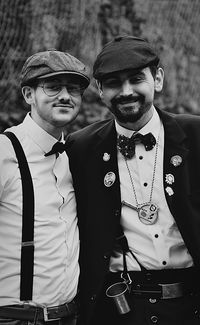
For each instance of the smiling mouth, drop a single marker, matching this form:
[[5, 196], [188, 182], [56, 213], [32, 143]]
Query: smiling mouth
[[130, 101], [63, 106], [128, 104]]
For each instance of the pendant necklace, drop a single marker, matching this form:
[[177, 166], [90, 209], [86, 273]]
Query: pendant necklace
[[148, 211]]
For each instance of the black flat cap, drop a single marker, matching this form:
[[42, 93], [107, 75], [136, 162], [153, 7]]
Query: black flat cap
[[122, 53]]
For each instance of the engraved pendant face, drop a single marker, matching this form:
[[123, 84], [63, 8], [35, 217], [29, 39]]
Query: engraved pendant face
[[148, 213]]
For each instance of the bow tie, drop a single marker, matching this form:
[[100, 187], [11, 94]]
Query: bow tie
[[127, 145], [58, 147]]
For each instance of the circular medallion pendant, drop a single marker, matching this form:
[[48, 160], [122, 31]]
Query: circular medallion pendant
[[148, 213]]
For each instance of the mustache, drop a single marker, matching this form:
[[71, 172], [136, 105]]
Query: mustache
[[63, 101], [125, 99]]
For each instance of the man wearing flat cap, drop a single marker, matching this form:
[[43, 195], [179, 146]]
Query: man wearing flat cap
[[136, 178], [38, 225]]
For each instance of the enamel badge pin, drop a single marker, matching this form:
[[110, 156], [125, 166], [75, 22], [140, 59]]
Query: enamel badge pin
[[176, 160], [169, 179], [106, 156], [109, 179], [169, 190]]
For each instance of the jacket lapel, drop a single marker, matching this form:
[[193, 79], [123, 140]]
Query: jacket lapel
[[104, 153], [106, 146]]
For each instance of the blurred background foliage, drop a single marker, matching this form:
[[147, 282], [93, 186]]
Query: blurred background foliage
[[82, 27]]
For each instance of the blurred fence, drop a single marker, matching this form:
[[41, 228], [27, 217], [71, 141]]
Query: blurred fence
[[82, 27]]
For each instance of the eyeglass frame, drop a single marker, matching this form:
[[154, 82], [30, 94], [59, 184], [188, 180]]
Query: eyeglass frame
[[81, 89]]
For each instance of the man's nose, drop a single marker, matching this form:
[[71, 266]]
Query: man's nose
[[126, 88], [64, 93]]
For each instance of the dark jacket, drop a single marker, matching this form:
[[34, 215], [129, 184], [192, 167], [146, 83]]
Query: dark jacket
[[99, 207]]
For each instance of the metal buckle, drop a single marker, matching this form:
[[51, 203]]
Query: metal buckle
[[172, 290], [46, 315], [44, 309]]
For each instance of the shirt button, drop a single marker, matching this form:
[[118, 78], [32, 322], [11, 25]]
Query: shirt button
[[154, 319], [164, 262], [152, 301], [145, 184], [117, 212], [140, 157]]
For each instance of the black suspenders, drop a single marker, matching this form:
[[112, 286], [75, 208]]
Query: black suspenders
[[27, 248]]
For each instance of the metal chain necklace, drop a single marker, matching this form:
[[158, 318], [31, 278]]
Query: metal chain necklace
[[148, 211]]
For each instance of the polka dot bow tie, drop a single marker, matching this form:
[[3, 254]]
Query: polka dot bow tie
[[58, 147], [127, 145]]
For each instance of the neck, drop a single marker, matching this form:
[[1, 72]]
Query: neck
[[54, 131], [136, 126]]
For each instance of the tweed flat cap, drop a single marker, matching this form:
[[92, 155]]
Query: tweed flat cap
[[122, 53], [50, 63]]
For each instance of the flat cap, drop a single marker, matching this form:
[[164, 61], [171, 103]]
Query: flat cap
[[122, 53], [50, 63]]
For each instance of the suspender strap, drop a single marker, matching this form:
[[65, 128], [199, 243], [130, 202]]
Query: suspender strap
[[27, 249], [122, 240]]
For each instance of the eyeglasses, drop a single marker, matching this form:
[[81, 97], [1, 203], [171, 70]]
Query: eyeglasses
[[53, 88]]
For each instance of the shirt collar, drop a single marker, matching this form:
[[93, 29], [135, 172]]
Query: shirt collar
[[152, 126], [43, 139]]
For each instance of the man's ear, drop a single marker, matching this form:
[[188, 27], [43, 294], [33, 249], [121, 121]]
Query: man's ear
[[159, 78], [99, 86], [28, 94]]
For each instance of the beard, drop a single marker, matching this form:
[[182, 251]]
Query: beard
[[134, 108]]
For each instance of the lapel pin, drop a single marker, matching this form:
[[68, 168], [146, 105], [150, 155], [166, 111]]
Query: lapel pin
[[169, 179], [176, 160], [169, 191], [106, 156], [109, 179]]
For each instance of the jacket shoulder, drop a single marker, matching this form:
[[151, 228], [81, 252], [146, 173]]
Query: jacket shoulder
[[90, 130], [185, 121], [190, 124], [187, 118]]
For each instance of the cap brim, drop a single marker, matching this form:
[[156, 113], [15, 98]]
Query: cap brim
[[51, 74]]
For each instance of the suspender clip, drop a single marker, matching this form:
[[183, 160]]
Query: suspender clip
[[126, 277], [27, 243]]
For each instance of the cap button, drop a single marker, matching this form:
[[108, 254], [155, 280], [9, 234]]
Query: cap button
[[118, 38]]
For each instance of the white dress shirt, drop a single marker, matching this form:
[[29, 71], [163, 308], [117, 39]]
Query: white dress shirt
[[159, 245], [56, 236]]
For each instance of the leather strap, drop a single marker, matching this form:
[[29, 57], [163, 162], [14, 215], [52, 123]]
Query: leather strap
[[27, 248], [30, 312], [123, 242]]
